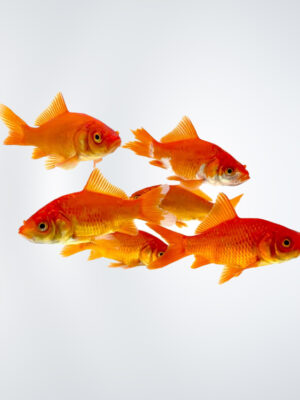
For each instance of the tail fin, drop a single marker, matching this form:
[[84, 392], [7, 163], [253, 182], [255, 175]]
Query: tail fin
[[143, 146], [150, 207], [15, 124], [175, 250]]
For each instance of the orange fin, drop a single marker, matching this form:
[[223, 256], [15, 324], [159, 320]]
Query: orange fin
[[229, 272], [184, 130], [222, 211], [69, 163], [181, 224], [150, 206], [117, 264], [71, 249], [190, 185], [187, 183], [174, 252], [235, 201], [56, 108], [38, 153], [15, 124], [97, 183], [95, 162], [53, 161], [199, 262], [157, 163], [144, 144], [128, 228]]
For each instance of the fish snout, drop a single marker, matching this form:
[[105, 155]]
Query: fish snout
[[114, 140]]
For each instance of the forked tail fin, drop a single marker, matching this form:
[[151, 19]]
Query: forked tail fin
[[143, 146], [175, 251], [150, 207], [16, 126]]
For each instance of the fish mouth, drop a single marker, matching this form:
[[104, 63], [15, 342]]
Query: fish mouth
[[23, 232], [114, 141]]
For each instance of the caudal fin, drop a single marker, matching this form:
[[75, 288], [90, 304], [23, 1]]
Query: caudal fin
[[143, 146], [15, 124], [150, 207], [175, 251]]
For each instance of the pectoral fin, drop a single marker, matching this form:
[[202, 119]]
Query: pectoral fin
[[158, 163], [229, 272], [199, 262], [129, 228]]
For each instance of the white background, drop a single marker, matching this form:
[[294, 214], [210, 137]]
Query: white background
[[72, 329]]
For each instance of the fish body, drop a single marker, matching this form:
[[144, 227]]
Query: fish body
[[65, 137], [100, 208], [186, 204], [190, 157], [237, 243], [129, 251]]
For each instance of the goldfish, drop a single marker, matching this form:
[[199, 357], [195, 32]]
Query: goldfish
[[226, 239], [98, 209], [129, 251], [190, 157], [185, 203], [66, 138]]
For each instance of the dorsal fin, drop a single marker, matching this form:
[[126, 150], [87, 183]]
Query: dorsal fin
[[97, 183], [222, 211], [57, 107], [184, 130]]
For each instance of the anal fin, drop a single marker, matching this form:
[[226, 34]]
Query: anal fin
[[229, 272]]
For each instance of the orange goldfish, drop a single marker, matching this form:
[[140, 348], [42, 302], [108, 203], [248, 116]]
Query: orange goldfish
[[129, 251], [98, 209], [65, 137], [190, 157], [185, 203], [238, 243]]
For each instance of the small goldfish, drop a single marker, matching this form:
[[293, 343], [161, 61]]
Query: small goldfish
[[190, 157], [129, 251], [185, 203], [238, 243], [100, 208], [65, 137]]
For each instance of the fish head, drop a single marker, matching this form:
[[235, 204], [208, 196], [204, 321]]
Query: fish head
[[140, 192], [47, 226], [286, 244], [153, 250], [226, 170], [95, 140], [279, 244]]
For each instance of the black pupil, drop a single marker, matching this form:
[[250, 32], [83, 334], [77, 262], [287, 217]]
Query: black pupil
[[97, 137], [229, 171], [286, 242], [42, 226]]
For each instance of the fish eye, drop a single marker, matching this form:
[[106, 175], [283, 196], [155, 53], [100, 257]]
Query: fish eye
[[136, 196], [161, 253], [97, 138], [286, 242], [43, 226], [229, 171]]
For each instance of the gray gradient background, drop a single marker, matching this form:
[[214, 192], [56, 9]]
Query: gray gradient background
[[72, 329]]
